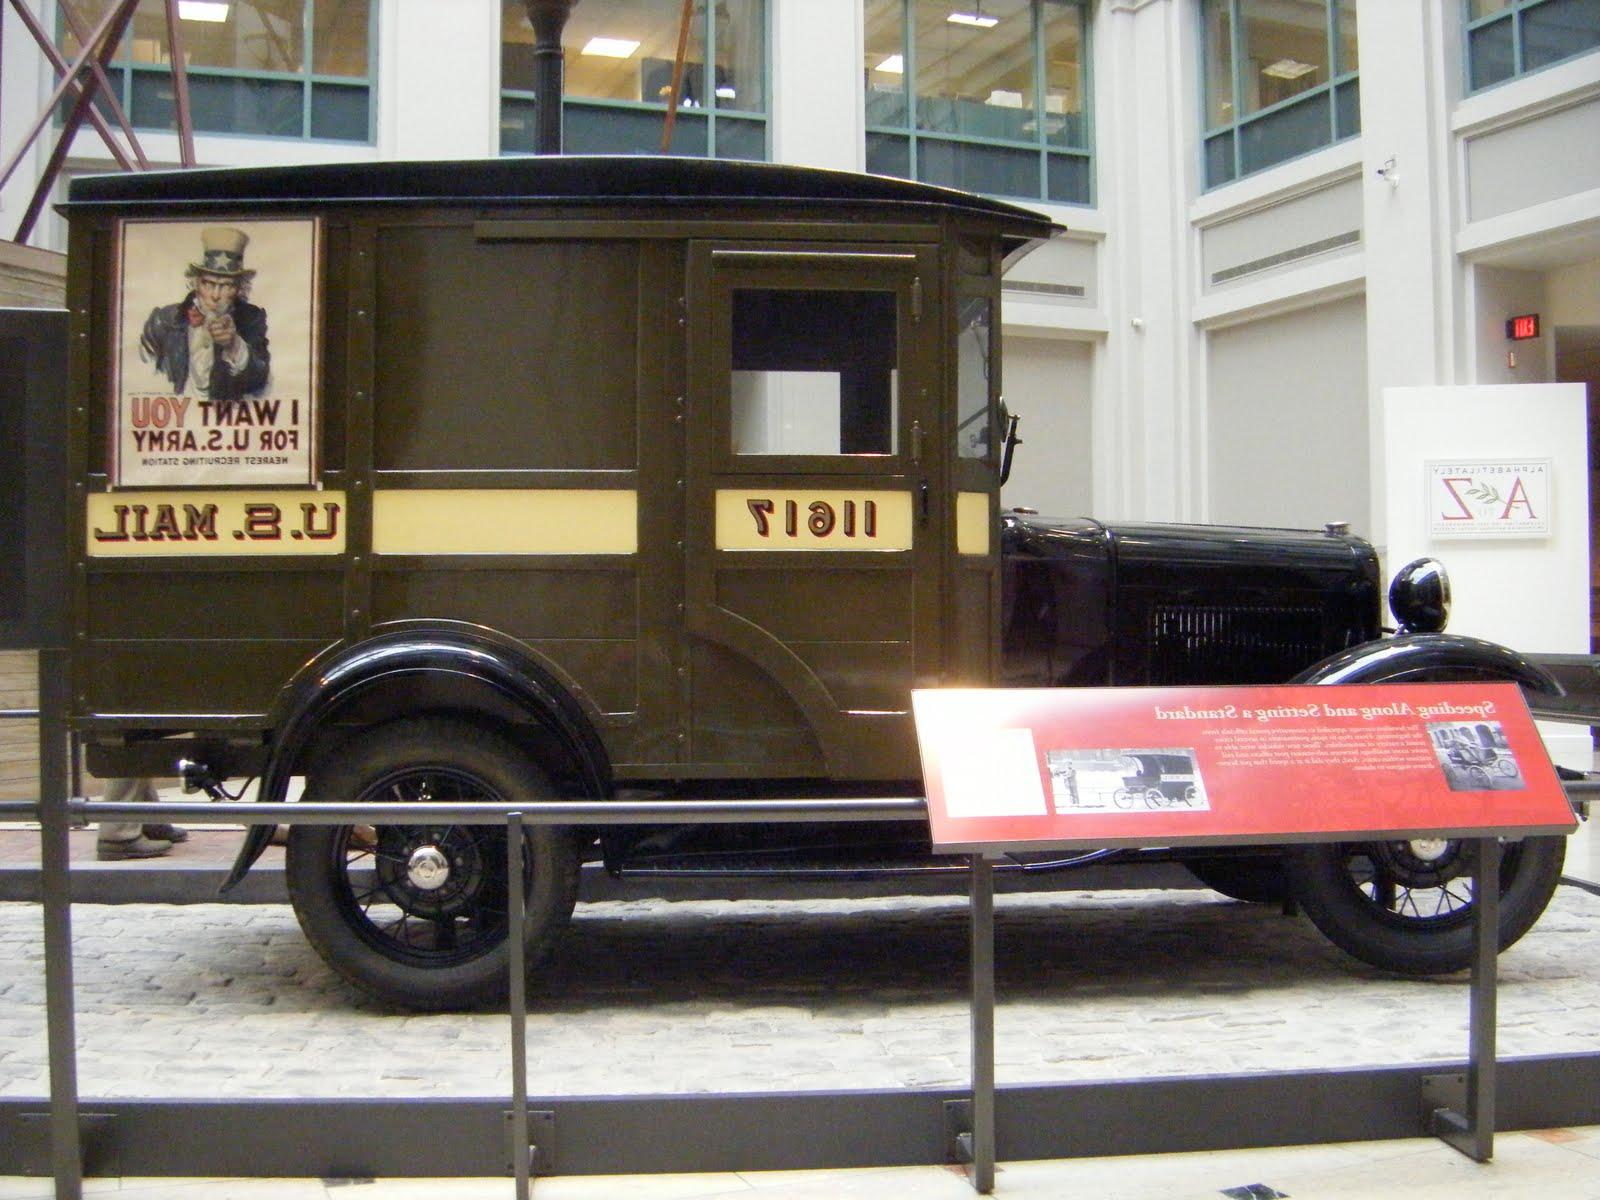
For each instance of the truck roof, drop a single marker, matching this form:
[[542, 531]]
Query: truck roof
[[538, 180]]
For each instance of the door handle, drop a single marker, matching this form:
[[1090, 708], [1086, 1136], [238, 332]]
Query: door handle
[[924, 500]]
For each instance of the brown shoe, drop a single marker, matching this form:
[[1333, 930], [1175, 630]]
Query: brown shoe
[[166, 833], [139, 847]]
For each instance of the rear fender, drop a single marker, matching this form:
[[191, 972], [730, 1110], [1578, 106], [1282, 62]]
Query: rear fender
[[489, 673]]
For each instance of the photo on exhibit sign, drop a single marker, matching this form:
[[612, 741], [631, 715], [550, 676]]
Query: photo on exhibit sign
[[1138, 780], [1476, 756]]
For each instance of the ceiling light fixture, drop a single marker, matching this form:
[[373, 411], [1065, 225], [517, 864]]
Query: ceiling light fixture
[[203, 10], [977, 20], [604, 47], [895, 64]]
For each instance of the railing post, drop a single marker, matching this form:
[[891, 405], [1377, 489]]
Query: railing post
[[517, 1000], [981, 1167], [1483, 1016], [56, 896]]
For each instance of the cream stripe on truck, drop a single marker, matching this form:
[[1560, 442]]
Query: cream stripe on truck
[[505, 521]]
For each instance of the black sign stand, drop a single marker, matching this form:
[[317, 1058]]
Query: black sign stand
[[1467, 1122], [973, 1124], [1462, 1116]]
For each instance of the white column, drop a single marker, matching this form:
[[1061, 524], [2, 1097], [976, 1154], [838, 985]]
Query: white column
[[26, 82], [1144, 122], [438, 86], [816, 80], [1409, 215]]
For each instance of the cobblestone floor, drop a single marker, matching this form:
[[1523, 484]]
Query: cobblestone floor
[[649, 996]]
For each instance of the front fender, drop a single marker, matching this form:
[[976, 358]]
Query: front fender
[[331, 681], [1432, 657]]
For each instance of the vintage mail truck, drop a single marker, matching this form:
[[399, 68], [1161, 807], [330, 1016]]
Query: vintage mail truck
[[581, 477]]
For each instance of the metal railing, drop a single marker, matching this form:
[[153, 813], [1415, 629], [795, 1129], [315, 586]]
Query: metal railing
[[63, 1049], [1471, 1130]]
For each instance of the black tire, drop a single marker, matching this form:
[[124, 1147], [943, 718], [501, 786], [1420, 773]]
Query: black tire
[[1253, 878], [445, 946], [1382, 903]]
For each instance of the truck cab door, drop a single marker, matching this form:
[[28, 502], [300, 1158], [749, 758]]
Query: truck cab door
[[815, 498]]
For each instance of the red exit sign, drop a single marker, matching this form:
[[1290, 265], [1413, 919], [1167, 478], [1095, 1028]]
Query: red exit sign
[[1520, 329]]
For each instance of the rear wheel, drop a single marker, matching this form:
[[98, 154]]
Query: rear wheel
[[419, 914], [1407, 906]]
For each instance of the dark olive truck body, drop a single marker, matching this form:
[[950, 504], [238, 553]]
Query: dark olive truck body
[[573, 525]]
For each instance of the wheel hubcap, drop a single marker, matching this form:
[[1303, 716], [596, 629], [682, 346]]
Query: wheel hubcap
[[1429, 849], [428, 869]]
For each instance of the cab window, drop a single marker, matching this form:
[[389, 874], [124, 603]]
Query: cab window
[[814, 372]]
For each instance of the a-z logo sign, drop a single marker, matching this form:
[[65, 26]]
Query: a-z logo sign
[[142, 524], [1489, 499], [821, 520]]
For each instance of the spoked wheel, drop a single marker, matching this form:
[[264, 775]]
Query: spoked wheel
[[1407, 906], [420, 914]]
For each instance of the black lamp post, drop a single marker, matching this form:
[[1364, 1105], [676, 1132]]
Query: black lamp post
[[548, 18]]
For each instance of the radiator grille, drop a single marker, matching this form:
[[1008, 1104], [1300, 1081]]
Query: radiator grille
[[1198, 644]]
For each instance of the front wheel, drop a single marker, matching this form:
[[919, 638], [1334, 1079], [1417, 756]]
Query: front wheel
[[419, 914], [1407, 906]]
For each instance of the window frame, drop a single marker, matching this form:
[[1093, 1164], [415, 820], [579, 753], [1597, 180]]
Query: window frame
[[891, 269], [709, 114], [123, 73], [1339, 81], [1513, 12], [913, 136]]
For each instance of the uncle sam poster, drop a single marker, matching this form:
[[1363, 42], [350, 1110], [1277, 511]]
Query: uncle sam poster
[[216, 353]]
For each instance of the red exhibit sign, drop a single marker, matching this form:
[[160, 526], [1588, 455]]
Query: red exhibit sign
[[1055, 767]]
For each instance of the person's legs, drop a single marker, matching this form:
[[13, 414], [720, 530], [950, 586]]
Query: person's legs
[[128, 839]]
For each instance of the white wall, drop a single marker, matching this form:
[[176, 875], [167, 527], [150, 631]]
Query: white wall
[[1049, 383], [1498, 295], [25, 84], [1573, 294], [1286, 429], [438, 89], [1531, 594], [817, 79]]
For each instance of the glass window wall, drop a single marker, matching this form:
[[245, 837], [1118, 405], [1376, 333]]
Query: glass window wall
[[619, 57], [276, 68], [1507, 38], [986, 95], [1280, 80]]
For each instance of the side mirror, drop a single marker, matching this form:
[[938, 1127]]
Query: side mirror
[[1009, 440]]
